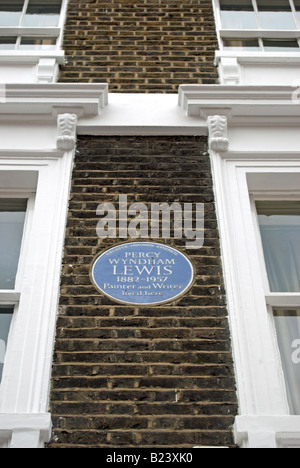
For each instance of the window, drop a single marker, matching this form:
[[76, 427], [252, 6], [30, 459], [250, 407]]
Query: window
[[279, 225], [6, 313], [263, 25], [33, 206], [12, 218], [30, 24], [251, 189]]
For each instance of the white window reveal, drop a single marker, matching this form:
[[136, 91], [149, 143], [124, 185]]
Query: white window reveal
[[30, 24], [260, 234]]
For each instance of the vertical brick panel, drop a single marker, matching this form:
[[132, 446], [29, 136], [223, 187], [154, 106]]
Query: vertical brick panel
[[129, 376], [147, 46]]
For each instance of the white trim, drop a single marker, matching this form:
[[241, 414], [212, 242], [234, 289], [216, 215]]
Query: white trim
[[259, 57], [25, 384], [236, 102], [31, 57], [260, 380], [49, 100], [24, 430], [268, 431]]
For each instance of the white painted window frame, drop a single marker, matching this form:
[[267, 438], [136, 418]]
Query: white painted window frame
[[264, 419], [12, 296], [258, 33], [272, 299], [45, 61], [24, 391], [47, 32]]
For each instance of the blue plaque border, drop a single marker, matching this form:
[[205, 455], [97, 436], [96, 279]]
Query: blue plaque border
[[148, 304]]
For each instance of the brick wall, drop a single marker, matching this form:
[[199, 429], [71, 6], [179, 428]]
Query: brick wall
[[128, 376], [148, 46]]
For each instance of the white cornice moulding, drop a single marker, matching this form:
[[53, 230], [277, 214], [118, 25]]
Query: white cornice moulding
[[239, 102], [51, 100]]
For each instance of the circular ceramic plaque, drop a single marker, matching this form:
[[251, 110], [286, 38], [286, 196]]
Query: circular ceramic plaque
[[142, 273]]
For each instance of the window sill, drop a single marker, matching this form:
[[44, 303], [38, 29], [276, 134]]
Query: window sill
[[18, 56], [25, 430], [267, 431], [255, 57]]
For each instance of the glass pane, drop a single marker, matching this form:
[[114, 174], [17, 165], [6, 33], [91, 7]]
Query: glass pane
[[287, 322], [7, 43], [237, 14], [281, 45], [6, 313], [276, 14], [12, 217], [244, 44], [36, 43], [42, 14], [279, 223], [10, 12]]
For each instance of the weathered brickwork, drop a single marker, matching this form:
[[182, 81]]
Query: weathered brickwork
[[126, 376], [147, 46]]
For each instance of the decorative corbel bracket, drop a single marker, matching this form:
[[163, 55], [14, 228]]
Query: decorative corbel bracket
[[217, 131], [66, 138], [47, 69]]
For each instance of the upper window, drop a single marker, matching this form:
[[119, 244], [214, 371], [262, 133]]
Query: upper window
[[30, 24], [260, 25]]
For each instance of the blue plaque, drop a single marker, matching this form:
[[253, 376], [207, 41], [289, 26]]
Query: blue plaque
[[142, 273]]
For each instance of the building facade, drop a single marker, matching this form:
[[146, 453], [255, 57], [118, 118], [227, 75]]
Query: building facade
[[112, 107]]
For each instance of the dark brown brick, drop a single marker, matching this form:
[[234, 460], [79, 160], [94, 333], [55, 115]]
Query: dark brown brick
[[126, 376], [153, 47]]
